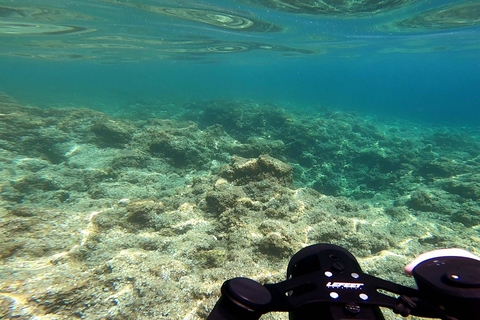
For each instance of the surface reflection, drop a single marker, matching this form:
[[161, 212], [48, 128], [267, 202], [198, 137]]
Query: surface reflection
[[12, 28], [334, 7], [36, 13], [122, 30], [447, 17], [220, 19]]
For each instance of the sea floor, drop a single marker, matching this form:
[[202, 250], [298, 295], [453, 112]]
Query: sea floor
[[142, 213]]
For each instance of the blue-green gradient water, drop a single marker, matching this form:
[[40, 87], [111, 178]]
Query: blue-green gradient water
[[414, 59], [218, 151]]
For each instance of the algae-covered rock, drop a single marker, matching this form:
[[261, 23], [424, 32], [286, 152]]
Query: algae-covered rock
[[397, 213], [275, 245], [211, 258], [242, 171], [24, 211], [130, 158], [423, 200], [465, 187], [331, 186], [110, 133], [180, 150], [143, 213], [441, 168], [466, 218], [277, 241], [32, 182], [243, 120], [183, 147], [223, 197], [32, 164]]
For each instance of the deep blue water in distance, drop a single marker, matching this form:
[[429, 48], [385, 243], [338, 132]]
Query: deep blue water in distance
[[430, 87], [431, 76]]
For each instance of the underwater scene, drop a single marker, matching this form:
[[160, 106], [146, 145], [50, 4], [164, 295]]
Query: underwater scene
[[152, 149]]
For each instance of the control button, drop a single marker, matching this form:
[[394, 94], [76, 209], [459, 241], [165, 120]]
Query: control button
[[363, 296], [466, 276], [352, 308]]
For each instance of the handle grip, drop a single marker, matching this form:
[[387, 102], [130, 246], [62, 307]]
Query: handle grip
[[242, 299]]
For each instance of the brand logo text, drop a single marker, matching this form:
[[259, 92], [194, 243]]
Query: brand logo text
[[344, 285]]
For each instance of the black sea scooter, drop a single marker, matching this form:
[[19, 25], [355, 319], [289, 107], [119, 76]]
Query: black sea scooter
[[325, 281]]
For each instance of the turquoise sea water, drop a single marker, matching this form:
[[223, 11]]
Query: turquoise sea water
[[151, 149], [416, 59]]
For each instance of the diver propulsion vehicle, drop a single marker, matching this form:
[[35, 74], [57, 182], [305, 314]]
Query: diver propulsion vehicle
[[325, 282]]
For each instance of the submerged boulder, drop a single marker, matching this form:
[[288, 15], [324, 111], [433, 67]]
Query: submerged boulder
[[243, 171]]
